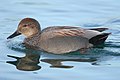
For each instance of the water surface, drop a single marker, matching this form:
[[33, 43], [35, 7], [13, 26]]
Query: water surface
[[17, 62]]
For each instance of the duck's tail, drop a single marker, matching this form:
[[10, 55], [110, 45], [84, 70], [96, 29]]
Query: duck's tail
[[99, 29], [99, 39]]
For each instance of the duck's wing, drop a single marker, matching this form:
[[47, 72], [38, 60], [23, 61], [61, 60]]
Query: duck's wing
[[69, 39], [63, 39], [63, 31], [70, 31]]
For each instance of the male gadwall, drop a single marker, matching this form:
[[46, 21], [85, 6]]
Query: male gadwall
[[59, 39]]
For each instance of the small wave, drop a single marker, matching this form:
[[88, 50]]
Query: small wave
[[33, 3], [92, 25], [17, 46]]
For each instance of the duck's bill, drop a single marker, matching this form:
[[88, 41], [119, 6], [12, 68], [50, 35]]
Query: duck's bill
[[16, 33]]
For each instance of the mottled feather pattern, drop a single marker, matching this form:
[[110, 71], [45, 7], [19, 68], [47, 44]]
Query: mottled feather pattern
[[51, 32], [70, 32]]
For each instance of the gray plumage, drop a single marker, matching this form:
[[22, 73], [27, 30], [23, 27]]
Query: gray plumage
[[59, 39]]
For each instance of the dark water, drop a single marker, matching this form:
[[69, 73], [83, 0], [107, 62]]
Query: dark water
[[18, 63]]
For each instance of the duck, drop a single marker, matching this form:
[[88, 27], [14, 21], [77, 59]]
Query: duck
[[59, 39]]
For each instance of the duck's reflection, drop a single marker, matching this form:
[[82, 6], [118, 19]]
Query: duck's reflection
[[31, 60], [57, 63], [27, 63]]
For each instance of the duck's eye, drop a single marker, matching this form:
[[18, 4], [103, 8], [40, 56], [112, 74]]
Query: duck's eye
[[25, 25]]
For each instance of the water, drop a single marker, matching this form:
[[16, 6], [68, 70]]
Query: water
[[18, 63]]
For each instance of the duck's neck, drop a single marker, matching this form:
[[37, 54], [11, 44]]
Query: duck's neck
[[33, 39], [34, 35]]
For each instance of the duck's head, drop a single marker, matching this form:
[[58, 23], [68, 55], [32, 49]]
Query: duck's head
[[27, 27]]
